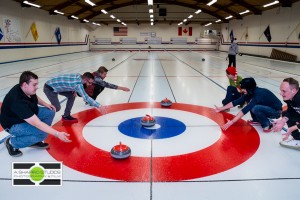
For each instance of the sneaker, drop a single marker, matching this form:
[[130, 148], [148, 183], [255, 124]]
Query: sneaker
[[292, 144], [253, 123], [240, 106], [40, 145], [69, 119], [268, 129], [11, 150]]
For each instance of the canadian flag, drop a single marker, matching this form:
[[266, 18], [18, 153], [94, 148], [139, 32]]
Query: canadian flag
[[185, 31]]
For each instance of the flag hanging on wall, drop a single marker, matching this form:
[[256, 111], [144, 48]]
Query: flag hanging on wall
[[57, 35], [120, 31], [1, 34], [188, 31], [34, 32], [231, 36], [268, 34]]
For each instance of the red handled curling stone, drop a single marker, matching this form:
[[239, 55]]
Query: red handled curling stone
[[148, 121], [120, 151], [166, 102]]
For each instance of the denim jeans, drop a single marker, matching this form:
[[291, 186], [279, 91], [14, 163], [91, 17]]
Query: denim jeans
[[231, 95], [24, 134], [262, 114]]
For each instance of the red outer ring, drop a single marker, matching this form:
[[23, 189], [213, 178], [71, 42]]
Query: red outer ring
[[235, 146]]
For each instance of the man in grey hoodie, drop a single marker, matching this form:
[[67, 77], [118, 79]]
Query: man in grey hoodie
[[233, 50]]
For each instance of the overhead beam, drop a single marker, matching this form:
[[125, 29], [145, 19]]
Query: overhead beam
[[248, 6]]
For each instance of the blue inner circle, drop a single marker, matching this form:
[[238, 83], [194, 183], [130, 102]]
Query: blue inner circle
[[165, 128]]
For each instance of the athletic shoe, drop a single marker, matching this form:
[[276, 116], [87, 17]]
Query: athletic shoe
[[40, 145], [292, 144], [268, 129], [253, 123], [69, 119], [11, 150]]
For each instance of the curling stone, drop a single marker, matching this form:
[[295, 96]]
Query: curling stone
[[113, 59], [166, 102], [120, 151], [148, 121], [240, 54], [203, 59]]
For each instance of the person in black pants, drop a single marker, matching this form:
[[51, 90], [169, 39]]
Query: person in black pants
[[233, 50], [289, 90], [99, 84]]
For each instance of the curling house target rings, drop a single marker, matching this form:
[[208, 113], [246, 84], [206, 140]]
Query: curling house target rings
[[233, 148]]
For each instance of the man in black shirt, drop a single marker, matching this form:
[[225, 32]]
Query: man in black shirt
[[289, 90], [21, 116]]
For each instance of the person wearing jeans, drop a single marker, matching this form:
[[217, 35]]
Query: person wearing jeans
[[261, 103], [233, 91], [26, 122]]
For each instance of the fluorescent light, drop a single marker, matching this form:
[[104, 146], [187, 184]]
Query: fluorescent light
[[150, 2], [207, 24], [124, 24], [180, 24], [229, 17], [151, 23], [246, 11], [190, 16], [198, 11], [212, 2], [151, 10], [112, 16], [185, 20], [56, 11], [151, 16], [118, 20], [103, 11], [218, 20], [74, 17], [86, 20], [32, 4], [89, 2], [151, 20], [271, 4]]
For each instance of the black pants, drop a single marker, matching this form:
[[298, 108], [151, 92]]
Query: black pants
[[232, 60], [97, 90]]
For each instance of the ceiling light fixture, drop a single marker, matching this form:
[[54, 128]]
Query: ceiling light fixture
[[190, 16], [151, 10], [229, 17], [218, 20], [246, 11], [32, 4], [207, 24], [150, 2], [271, 4], [56, 11], [198, 11], [212, 2], [74, 17], [112, 16], [104, 11], [89, 2]]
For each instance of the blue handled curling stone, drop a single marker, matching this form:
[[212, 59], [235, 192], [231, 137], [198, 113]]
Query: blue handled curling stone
[[166, 102], [120, 151], [148, 121]]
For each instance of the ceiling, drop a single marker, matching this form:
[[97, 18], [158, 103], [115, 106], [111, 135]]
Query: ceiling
[[136, 11]]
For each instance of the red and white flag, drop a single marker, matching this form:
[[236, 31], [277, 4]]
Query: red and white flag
[[188, 31]]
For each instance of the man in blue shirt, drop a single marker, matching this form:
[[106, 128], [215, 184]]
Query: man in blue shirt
[[68, 85], [261, 103]]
